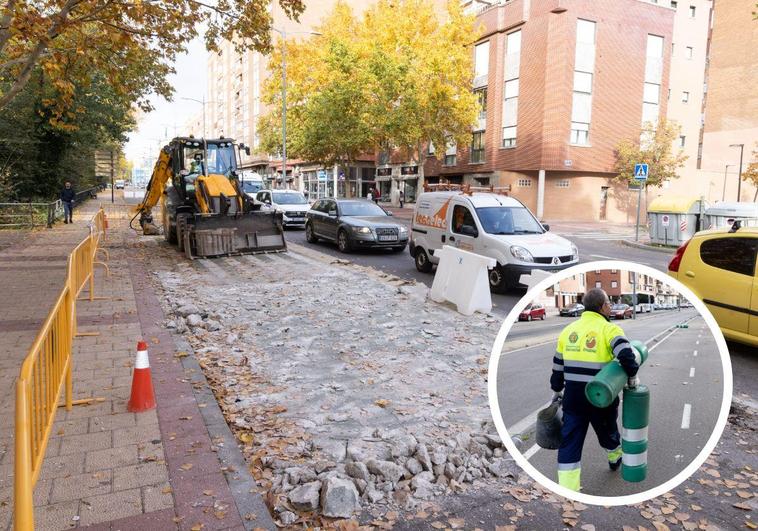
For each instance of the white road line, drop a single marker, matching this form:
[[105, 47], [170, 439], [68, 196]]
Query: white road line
[[692, 372], [603, 256], [694, 354], [686, 416], [697, 342], [650, 349], [531, 451]]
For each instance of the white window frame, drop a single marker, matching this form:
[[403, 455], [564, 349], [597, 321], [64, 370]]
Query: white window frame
[[511, 88], [584, 76]]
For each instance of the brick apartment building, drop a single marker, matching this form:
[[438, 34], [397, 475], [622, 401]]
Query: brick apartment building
[[562, 81]]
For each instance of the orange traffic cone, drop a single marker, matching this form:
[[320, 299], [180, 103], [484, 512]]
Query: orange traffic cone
[[143, 397]]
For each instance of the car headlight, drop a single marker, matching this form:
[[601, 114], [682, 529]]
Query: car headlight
[[403, 230], [521, 254], [574, 251], [362, 230]]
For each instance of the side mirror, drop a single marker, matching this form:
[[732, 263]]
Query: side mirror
[[389, 213], [546, 227], [468, 230]]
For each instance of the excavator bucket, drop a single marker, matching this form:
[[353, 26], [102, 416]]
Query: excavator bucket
[[220, 235]]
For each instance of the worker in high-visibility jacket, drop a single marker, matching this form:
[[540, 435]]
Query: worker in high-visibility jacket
[[584, 348]]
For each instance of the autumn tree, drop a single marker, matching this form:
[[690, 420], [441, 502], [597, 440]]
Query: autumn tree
[[134, 43], [654, 147], [750, 174], [395, 78]]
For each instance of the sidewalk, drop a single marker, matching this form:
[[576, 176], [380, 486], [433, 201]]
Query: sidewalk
[[105, 467]]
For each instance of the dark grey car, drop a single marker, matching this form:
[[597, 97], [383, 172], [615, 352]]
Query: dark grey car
[[354, 224]]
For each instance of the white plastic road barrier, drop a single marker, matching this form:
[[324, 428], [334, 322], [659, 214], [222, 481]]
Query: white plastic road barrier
[[462, 279]]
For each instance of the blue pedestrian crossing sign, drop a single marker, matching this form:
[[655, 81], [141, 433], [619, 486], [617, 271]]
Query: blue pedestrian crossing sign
[[640, 172]]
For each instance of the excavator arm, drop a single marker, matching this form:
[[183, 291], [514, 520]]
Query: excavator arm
[[154, 191]]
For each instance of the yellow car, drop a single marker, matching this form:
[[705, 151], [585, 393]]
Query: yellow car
[[719, 266]]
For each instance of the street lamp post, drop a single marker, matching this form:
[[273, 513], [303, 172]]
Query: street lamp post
[[723, 192], [203, 102], [739, 175], [283, 33]]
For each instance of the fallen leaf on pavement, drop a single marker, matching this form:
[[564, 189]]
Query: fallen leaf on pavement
[[661, 527], [181, 354], [246, 437], [744, 494], [456, 523], [382, 402], [682, 516], [696, 507], [742, 505], [197, 527], [186, 466], [438, 525], [188, 417], [167, 490], [208, 492]]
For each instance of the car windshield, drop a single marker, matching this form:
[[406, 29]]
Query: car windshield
[[508, 220], [289, 198], [618, 307], [250, 187], [360, 208]]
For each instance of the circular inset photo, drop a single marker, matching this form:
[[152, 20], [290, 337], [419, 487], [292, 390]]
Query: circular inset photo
[[610, 383]]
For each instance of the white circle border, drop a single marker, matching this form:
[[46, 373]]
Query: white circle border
[[591, 499]]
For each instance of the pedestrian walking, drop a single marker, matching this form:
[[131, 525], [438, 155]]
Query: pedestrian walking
[[67, 198], [377, 195], [402, 198], [584, 348], [370, 195]]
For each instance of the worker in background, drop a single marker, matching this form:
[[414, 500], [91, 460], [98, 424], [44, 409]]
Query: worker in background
[[67, 198], [584, 348]]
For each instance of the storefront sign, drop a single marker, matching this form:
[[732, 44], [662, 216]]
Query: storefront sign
[[409, 170], [383, 172]]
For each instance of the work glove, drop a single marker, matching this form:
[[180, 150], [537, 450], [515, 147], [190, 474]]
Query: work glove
[[632, 382]]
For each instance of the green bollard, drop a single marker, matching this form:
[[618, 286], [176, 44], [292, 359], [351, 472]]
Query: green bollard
[[635, 418], [610, 381]]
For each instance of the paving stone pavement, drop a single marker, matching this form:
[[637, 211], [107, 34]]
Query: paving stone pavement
[[106, 467]]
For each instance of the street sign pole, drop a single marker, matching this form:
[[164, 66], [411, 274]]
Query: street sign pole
[[112, 187], [640, 175], [634, 293]]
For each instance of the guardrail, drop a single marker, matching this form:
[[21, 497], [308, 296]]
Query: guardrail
[[46, 371], [17, 215]]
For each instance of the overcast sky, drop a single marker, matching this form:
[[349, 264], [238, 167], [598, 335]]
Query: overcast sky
[[155, 127]]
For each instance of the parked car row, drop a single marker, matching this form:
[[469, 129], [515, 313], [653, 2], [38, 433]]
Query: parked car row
[[486, 223]]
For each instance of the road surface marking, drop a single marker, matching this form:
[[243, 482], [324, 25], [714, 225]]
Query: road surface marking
[[686, 416], [650, 349], [531, 451], [697, 342], [692, 372], [694, 354]]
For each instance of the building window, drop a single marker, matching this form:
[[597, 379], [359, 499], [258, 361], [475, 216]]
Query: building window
[[481, 96], [692, 11], [524, 183], [685, 96], [511, 88], [688, 52], [481, 63], [613, 271], [653, 73], [477, 147], [562, 183], [451, 151], [598, 284], [614, 284], [673, 4], [682, 139], [584, 68], [430, 148]]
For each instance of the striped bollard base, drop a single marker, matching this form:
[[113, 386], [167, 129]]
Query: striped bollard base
[[635, 418]]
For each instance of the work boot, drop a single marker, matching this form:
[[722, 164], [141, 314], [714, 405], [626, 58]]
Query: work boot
[[614, 458], [65, 221]]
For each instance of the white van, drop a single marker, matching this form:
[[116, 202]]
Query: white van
[[489, 224]]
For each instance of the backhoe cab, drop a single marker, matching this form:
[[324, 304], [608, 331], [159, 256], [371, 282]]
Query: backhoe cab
[[203, 208]]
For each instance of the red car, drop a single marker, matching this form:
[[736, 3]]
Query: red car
[[532, 311], [621, 311]]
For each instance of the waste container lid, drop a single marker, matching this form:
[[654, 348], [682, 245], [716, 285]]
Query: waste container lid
[[673, 204], [729, 209]]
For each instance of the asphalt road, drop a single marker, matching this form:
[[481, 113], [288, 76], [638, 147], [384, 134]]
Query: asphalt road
[[592, 246], [683, 373]]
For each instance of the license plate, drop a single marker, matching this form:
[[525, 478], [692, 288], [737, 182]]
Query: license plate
[[387, 238]]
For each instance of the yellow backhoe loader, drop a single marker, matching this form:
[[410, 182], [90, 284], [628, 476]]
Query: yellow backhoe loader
[[203, 208]]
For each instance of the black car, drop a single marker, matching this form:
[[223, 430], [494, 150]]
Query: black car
[[354, 224], [572, 310]]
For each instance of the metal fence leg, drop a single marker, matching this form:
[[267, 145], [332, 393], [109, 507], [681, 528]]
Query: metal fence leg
[[23, 505]]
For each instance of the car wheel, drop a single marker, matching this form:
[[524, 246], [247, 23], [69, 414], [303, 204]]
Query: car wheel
[[310, 237], [343, 243], [498, 283], [543, 317], [422, 261], [529, 317]]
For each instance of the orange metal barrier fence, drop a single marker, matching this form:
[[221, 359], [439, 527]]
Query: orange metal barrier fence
[[46, 371]]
